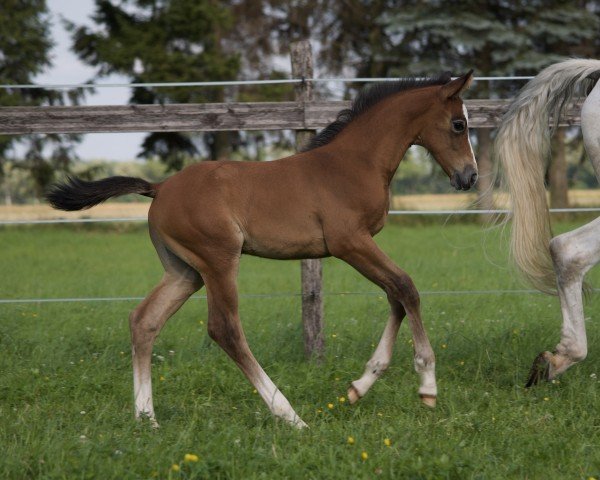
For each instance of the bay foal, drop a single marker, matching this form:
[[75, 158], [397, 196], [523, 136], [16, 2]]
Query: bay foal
[[326, 201]]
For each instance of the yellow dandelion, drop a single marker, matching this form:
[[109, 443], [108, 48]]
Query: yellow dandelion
[[444, 345], [161, 378], [334, 335], [387, 442], [462, 362], [546, 399], [350, 440], [319, 410], [190, 457], [175, 467], [255, 391], [364, 456], [342, 399], [330, 406], [379, 414]]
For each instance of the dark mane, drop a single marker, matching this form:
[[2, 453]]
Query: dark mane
[[367, 97]]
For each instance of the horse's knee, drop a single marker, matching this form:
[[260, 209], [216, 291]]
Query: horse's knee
[[403, 289], [215, 332], [223, 330]]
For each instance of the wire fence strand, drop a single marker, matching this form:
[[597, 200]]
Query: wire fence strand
[[227, 83], [391, 212], [449, 293]]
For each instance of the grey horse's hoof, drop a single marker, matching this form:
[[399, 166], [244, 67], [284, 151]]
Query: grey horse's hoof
[[540, 370]]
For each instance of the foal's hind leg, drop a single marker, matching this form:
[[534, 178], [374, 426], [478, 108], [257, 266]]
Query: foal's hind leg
[[145, 322], [224, 327], [364, 255], [573, 253]]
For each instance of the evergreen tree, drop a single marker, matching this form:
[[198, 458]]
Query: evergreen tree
[[25, 52], [163, 41], [191, 40], [495, 38]]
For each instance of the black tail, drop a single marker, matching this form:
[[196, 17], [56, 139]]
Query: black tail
[[77, 194]]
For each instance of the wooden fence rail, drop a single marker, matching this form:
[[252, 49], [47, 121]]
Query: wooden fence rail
[[210, 117]]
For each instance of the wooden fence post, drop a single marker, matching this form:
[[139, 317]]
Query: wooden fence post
[[312, 270]]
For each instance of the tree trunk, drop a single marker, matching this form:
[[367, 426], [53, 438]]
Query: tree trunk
[[557, 172], [485, 188]]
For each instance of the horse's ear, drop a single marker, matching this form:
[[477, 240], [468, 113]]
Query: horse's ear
[[454, 88]]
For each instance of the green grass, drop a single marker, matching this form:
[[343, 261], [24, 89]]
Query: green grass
[[66, 407]]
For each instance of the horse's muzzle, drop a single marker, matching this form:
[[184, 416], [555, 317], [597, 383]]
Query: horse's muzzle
[[465, 179]]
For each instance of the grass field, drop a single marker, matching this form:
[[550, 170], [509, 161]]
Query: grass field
[[66, 407]]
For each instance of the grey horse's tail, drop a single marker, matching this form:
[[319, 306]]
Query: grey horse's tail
[[521, 146]]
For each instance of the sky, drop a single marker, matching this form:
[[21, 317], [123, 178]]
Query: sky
[[68, 69]]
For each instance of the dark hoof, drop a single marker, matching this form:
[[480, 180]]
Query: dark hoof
[[540, 370]]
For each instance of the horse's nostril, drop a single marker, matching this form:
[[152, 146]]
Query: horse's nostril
[[473, 179]]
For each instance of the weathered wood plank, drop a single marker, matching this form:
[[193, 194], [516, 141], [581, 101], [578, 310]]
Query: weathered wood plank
[[311, 270], [210, 117]]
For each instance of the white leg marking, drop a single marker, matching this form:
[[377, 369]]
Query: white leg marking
[[275, 400], [427, 372], [142, 389], [380, 360]]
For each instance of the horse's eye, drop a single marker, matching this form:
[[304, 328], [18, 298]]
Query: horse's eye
[[459, 126]]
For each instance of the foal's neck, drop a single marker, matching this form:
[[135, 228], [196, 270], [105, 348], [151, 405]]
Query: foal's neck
[[381, 136]]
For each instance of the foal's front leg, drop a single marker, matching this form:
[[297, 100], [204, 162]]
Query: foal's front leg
[[368, 259]]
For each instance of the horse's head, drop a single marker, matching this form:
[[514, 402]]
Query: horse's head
[[445, 133]]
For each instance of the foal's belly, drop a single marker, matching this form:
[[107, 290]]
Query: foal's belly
[[283, 247]]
